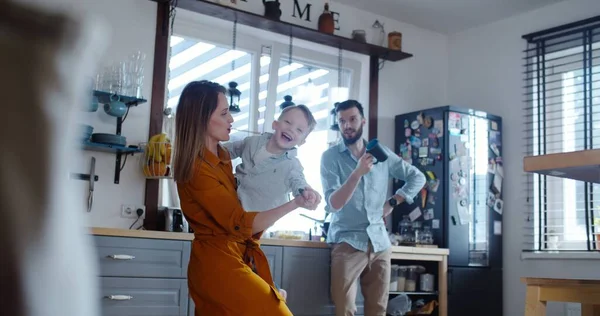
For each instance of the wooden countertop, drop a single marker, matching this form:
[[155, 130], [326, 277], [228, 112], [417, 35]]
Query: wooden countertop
[[153, 234], [583, 165]]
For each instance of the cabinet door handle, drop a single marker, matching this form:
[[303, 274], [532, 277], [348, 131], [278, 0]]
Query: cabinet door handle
[[119, 297], [121, 257]]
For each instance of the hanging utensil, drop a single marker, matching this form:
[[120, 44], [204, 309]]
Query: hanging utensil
[[91, 185]]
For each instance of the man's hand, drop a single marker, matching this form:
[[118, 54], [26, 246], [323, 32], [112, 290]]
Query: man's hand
[[398, 198], [364, 165], [387, 208]]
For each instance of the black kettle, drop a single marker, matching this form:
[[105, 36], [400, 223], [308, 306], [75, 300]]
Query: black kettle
[[272, 9]]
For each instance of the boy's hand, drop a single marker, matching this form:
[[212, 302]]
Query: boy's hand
[[304, 203], [308, 198], [311, 195]]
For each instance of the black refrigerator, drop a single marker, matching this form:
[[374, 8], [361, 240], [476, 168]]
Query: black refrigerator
[[460, 152]]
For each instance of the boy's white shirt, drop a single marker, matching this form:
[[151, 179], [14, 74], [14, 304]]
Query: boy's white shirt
[[265, 181]]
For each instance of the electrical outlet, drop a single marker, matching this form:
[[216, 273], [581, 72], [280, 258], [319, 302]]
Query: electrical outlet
[[130, 211], [573, 309]]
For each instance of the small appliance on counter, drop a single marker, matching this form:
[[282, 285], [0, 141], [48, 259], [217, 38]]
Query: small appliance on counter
[[172, 220]]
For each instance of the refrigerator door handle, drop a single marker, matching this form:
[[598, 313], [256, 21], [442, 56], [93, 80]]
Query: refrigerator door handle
[[450, 282]]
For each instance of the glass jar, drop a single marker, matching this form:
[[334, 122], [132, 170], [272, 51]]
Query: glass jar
[[427, 236], [401, 278], [411, 280], [405, 230], [394, 278], [416, 227]]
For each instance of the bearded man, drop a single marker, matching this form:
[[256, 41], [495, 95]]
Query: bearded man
[[355, 191]]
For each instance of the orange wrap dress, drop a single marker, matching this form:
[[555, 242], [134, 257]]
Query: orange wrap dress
[[228, 273]]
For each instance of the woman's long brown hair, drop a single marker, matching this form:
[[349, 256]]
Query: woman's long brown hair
[[197, 103]]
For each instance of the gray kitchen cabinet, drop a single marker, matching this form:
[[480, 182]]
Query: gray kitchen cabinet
[[274, 255], [139, 257], [306, 277], [144, 296], [191, 305]]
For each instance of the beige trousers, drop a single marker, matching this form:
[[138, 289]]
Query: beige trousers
[[373, 269]]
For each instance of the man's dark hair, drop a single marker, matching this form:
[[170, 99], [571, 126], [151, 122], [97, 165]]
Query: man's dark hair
[[348, 104]]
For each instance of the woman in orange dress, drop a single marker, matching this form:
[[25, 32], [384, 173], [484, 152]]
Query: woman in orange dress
[[228, 273]]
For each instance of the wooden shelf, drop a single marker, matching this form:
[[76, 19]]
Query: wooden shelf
[[287, 29], [105, 97], [87, 145], [581, 165]]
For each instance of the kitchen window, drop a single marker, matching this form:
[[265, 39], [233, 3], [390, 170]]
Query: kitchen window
[[265, 72], [562, 115]]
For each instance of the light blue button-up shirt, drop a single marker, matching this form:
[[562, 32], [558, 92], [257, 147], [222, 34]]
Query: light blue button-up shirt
[[361, 219]]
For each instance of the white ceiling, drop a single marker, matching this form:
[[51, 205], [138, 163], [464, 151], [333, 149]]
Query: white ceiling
[[447, 16]]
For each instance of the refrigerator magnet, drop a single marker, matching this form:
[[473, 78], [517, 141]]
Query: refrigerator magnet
[[415, 214], [431, 199], [406, 124], [492, 166], [420, 118], [428, 214], [415, 141], [498, 205], [415, 124], [431, 175], [497, 228], [463, 213], [491, 199], [435, 224], [495, 149], [407, 132], [493, 125], [434, 185], [439, 126], [428, 122], [423, 197], [425, 142]]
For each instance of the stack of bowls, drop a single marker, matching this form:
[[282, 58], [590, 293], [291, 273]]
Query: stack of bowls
[[86, 132]]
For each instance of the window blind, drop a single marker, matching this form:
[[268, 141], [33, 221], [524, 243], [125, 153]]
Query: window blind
[[562, 114]]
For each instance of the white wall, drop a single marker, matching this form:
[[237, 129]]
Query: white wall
[[486, 74], [417, 82], [131, 27]]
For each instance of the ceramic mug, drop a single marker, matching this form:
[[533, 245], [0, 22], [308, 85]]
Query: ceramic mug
[[377, 151], [115, 108]]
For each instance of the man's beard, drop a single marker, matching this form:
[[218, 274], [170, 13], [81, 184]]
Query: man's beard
[[353, 140]]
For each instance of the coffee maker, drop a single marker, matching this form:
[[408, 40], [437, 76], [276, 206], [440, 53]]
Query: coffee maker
[[174, 221]]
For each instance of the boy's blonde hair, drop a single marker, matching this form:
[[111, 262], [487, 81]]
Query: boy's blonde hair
[[312, 123]]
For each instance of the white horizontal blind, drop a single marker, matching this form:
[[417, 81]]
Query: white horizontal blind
[[562, 114]]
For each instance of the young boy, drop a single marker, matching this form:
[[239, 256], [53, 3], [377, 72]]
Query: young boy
[[270, 170]]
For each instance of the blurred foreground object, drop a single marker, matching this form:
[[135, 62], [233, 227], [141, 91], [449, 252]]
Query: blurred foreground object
[[47, 266]]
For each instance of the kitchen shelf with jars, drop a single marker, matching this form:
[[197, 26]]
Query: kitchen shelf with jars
[[412, 285], [270, 21], [117, 88]]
